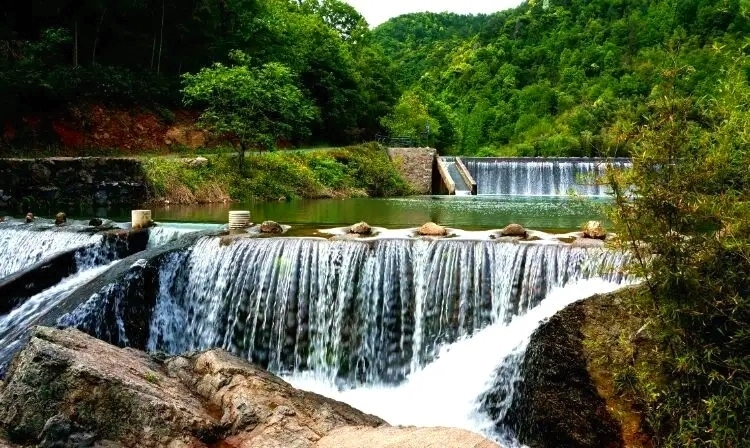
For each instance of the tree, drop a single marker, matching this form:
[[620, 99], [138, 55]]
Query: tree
[[256, 106], [687, 202], [411, 118]]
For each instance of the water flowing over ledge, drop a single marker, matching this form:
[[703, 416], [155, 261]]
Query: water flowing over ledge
[[24, 245], [449, 391], [353, 311], [541, 177]]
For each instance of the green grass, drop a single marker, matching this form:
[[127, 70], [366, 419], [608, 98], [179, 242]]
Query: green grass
[[363, 170]]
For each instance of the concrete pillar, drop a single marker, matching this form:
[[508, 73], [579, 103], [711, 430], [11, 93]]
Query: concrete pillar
[[239, 219], [140, 219]]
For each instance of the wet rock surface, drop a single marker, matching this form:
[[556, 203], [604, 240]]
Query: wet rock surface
[[432, 229], [556, 405], [361, 228], [594, 230], [514, 230], [69, 389], [403, 437], [272, 227], [66, 388]]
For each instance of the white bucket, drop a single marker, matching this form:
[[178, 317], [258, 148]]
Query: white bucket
[[239, 219]]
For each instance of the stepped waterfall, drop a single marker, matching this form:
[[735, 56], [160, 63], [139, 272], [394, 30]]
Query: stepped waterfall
[[345, 310], [360, 321], [542, 177], [22, 245]]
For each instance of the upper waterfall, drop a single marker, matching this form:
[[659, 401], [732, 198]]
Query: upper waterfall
[[540, 177], [22, 245]]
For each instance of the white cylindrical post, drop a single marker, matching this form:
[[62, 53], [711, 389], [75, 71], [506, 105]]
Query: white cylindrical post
[[239, 219], [140, 219]]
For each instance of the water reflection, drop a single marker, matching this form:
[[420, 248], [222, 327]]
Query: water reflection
[[477, 212]]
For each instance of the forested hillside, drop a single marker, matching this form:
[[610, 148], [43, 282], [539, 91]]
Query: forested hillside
[[59, 55], [559, 77]]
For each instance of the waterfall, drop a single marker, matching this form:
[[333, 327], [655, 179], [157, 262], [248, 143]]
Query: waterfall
[[166, 233], [541, 177], [372, 323], [358, 311], [23, 245], [15, 324], [448, 391]]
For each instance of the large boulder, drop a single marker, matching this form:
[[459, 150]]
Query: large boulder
[[403, 437], [594, 230], [555, 403], [69, 389], [432, 229], [360, 228], [66, 386], [514, 230]]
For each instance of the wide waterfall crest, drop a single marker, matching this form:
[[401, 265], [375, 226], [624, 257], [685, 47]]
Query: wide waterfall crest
[[541, 177], [24, 245], [360, 311]]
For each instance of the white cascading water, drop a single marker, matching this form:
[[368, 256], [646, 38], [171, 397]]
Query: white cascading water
[[23, 245], [556, 177], [446, 392], [14, 324], [358, 311], [165, 233]]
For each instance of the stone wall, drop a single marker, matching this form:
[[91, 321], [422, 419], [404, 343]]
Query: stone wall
[[416, 166], [85, 182]]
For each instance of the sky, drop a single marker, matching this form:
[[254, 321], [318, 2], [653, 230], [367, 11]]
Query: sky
[[378, 11]]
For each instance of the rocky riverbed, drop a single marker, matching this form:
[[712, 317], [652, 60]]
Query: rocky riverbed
[[68, 389]]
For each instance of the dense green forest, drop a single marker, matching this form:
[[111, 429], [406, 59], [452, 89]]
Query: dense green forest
[[559, 77], [55, 54], [553, 77]]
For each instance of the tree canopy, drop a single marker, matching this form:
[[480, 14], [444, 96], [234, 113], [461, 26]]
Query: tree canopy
[[561, 77], [257, 106]]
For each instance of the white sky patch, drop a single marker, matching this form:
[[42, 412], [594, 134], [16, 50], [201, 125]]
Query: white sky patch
[[378, 11]]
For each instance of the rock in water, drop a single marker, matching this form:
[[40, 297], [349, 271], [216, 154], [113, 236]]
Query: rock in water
[[514, 230], [271, 227], [432, 229], [66, 388], [360, 228], [95, 222], [60, 218], [555, 382], [594, 230]]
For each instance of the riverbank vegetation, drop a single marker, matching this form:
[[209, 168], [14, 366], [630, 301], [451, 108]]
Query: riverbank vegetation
[[686, 201], [363, 170]]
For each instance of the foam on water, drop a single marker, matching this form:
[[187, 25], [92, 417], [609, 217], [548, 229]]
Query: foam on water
[[446, 391]]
